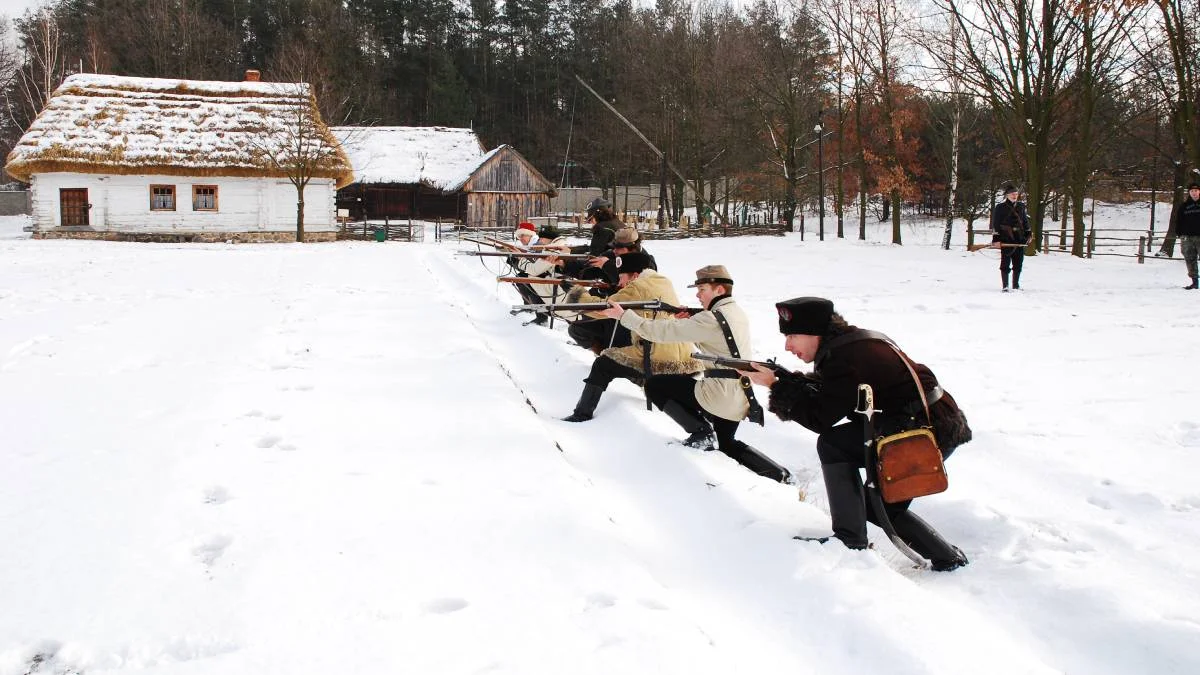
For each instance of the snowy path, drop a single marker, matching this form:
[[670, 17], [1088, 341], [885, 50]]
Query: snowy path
[[320, 459]]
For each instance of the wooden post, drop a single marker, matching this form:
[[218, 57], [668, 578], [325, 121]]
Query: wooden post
[[1091, 243], [1045, 241], [1150, 239], [1141, 250]]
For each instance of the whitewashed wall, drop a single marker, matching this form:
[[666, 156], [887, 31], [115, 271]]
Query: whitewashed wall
[[244, 204]]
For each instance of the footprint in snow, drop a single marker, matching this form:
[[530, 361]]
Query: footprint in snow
[[651, 603], [216, 494], [444, 605], [599, 601], [211, 549], [268, 441]]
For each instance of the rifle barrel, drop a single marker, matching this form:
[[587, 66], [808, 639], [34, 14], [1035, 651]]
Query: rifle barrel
[[588, 283], [526, 254]]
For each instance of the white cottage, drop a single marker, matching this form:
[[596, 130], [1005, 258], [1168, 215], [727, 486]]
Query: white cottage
[[145, 159]]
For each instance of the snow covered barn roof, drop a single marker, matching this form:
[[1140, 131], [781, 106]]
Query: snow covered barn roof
[[442, 158], [135, 125]]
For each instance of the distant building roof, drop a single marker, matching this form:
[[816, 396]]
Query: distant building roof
[[132, 125], [442, 158]]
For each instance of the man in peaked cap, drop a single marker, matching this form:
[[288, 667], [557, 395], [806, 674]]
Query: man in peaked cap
[[1011, 233], [721, 399], [1185, 218], [845, 357]]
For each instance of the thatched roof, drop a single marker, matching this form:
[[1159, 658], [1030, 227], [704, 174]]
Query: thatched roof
[[134, 125], [437, 157]]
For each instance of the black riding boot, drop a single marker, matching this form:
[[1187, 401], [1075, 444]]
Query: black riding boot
[[700, 433], [847, 507], [757, 462], [920, 537], [1194, 285], [1004, 280], [588, 401]]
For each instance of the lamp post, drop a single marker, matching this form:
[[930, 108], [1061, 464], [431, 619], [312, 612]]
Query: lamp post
[[820, 184]]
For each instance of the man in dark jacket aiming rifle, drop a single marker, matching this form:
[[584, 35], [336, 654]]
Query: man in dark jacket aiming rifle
[[845, 357]]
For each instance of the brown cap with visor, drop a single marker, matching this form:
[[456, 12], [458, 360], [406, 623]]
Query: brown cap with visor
[[712, 274]]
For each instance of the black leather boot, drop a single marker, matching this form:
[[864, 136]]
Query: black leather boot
[[700, 433], [1194, 285], [1004, 281], [757, 462], [920, 537], [588, 401], [847, 506]]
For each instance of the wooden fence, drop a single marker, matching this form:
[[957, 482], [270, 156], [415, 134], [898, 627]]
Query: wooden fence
[[392, 230]]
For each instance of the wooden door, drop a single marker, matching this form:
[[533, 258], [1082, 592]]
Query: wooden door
[[73, 205]]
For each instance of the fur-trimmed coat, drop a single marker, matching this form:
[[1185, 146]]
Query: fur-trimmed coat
[[721, 397], [666, 356], [872, 362]]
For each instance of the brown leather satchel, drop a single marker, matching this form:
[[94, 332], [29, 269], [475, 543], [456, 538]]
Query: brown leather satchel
[[909, 463]]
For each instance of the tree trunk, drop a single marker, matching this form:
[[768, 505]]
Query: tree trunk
[[300, 214]]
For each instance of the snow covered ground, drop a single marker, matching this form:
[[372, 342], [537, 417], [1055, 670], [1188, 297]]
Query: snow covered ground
[[347, 458]]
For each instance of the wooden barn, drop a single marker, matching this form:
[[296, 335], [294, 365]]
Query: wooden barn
[[433, 173], [149, 159]]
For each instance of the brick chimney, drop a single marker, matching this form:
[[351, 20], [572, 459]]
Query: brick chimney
[[253, 76]]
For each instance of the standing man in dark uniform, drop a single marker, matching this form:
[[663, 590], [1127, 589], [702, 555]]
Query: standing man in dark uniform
[[1186, 217], [845, 357], [1010, 225]]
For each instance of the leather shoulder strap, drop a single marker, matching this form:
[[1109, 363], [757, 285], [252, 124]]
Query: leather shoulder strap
[[860, 334]]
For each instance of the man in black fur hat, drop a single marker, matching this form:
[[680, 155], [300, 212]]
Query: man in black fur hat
[[1011, 233], [845, 357]]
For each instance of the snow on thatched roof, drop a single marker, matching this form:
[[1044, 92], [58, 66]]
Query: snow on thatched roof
[[137, 125], [438, 157]]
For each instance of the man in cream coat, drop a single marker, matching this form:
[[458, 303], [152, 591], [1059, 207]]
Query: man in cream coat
[[717, 401]]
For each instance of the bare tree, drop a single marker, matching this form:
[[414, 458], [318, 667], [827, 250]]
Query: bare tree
[[43, 69], [784, 81], [1016, 54], [295, 143]]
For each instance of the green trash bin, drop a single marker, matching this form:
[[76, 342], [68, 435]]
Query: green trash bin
[[380, 234]]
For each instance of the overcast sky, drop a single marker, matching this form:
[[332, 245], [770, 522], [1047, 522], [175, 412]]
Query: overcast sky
[[15, 8]]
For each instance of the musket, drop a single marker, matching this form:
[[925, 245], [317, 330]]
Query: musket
[[586, 283], [644, 305], [740, 364], [810, 382], [526, 254], [979, 247]]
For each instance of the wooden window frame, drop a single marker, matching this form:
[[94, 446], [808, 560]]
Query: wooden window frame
[[174, 197], [216, 192]]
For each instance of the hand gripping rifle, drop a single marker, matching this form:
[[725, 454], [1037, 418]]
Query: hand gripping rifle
[[644, 305], [866, 408], [811, 383]]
